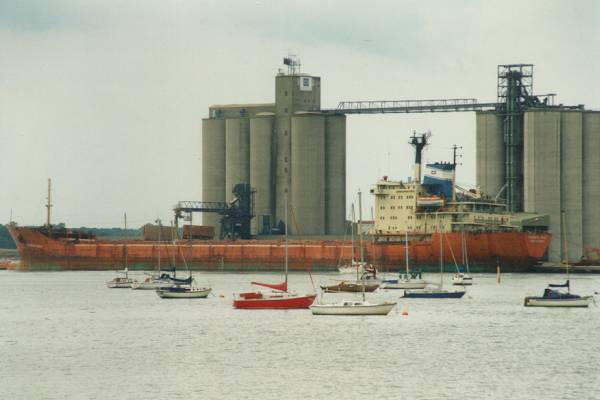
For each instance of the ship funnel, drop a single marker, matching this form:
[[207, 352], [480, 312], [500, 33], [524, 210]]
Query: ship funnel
[[419, 141]]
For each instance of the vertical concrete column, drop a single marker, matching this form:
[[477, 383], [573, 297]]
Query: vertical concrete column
[[335, 174], [213, 166], [490, 157], [591, 184], [572, 182], [308, 174], [237, 154], [261, 137], [542, 171]]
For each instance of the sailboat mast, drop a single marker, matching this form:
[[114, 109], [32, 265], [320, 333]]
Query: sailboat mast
[[406, 250], [159, 238], [565, 245], [125, 244], [352, 233], [286, 236], [441, 253], [360, 226]]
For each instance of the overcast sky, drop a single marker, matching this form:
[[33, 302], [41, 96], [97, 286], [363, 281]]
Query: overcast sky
[[107, 97]]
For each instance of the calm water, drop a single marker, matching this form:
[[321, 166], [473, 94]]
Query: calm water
[[64, 335]]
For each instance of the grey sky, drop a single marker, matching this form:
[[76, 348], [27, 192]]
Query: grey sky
[[107, 97]]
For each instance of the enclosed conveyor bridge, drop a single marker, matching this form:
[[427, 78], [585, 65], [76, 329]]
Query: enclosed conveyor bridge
[[409, 106]]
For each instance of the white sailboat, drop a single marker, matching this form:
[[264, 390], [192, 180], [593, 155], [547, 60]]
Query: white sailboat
[[122, 282], [463, 278], [183, 288], [358, 267], [158, 279], [352, 307], [440, 292], [407, 280], [366, 281]]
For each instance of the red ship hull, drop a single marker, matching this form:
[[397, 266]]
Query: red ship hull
[[513, 251]]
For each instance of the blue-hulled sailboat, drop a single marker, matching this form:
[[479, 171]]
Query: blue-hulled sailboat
[[438, 293], [559, 295], [556, 296]]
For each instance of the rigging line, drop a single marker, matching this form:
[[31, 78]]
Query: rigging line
[[451, 252]]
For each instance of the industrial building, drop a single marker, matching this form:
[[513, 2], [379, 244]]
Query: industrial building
[[288, 145], [544, 158], [533, 155]]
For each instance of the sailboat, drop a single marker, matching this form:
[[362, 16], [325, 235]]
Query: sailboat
[[559, 295], [279, 297], [121, 282], [351, 307], [438, 293], [407, 280], [365, 282], [161, 278], [183, 288], [462, 276], [354, 266]]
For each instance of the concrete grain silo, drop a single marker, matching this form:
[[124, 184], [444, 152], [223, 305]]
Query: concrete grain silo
[[213, 166], [261, 178], [542, 170], [237, 153], [335, 174], [571, 134], [591, 183], [308, 174], [490, 156]]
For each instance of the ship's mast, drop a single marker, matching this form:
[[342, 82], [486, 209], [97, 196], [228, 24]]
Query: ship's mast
[[455, 155], [360, 227], [49, 204]]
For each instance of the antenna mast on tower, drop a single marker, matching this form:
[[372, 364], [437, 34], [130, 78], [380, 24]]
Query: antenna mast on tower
[[293, 63]]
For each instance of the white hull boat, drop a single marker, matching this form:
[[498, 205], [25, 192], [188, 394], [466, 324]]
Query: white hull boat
[[353, 308], [150, 285], [462, 279], [183, 293], [583, 301], [120, 283]]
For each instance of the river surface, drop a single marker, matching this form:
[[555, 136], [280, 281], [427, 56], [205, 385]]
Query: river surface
[[64, 335]]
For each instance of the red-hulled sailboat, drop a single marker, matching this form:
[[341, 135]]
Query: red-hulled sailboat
[[279, 297]]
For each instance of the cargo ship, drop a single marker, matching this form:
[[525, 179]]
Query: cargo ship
[[430, 207], [41, 249]]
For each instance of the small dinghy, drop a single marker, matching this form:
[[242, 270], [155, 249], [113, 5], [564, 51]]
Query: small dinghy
[[556, 296]]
